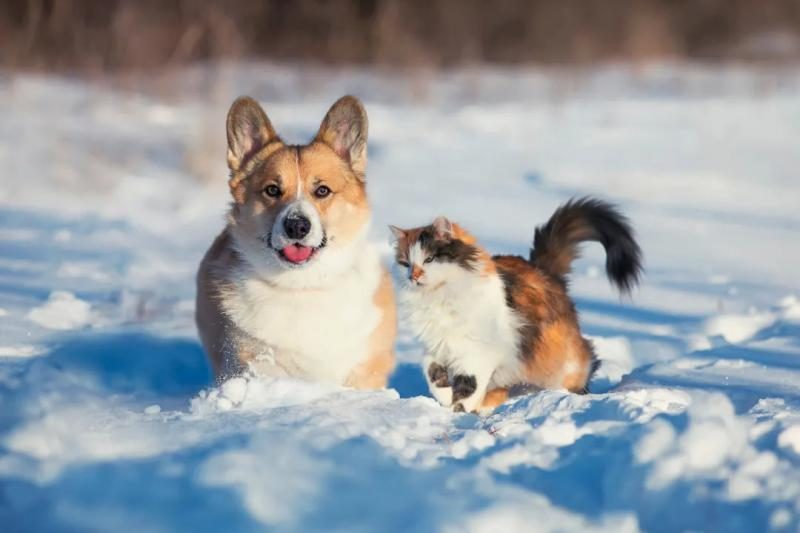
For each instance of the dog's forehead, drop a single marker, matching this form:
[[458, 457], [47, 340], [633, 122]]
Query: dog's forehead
[[318, 161], [283, 165], [309, 163]]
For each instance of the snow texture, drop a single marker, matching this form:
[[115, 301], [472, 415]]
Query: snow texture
[[110, 420]]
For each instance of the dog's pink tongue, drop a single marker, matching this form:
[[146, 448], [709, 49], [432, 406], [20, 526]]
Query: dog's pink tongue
[[296, 253]]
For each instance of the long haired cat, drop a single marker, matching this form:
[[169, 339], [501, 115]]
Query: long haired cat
[[492, 324]]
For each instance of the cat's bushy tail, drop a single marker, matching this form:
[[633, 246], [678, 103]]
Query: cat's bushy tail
[[555, 245]]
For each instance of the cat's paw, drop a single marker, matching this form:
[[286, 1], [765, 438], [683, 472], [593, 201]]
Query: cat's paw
[[438, 375], [470, 405], [443, 395], [463, 387], [464, 397]]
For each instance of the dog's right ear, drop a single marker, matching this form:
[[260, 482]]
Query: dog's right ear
[[344, 129], [249, 130]]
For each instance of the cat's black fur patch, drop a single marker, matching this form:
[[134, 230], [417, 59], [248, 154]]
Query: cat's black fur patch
[[438, 375], [463, 387], [449, 250]]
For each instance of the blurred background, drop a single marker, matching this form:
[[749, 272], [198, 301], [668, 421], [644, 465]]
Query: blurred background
[[93, 36]]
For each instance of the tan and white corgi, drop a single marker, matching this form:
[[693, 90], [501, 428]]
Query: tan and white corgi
[[493, 324], [291, 287]]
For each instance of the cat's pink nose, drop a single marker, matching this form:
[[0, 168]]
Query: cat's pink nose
[[416, 273]]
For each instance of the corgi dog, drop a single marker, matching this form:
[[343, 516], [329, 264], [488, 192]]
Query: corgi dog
[[491, 325], [291, 287]]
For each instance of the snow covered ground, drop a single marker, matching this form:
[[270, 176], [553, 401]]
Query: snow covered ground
[[109, 419]]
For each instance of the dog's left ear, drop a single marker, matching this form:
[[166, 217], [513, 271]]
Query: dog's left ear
[[344, 129]]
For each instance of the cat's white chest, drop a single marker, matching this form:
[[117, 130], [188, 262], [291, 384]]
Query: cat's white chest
[[464, 319]]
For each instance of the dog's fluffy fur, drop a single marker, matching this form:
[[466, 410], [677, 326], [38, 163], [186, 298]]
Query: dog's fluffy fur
[[314, 302], [493, 324]]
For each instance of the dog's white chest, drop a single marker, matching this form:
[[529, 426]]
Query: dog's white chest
[[317, 334]]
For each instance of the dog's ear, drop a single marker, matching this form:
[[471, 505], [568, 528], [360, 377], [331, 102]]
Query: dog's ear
[[249, 130], [344, 129], [443, 228]]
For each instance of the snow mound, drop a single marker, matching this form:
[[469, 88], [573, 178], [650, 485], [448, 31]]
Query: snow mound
[[790, 307], [790, 438], [62, 311], [736, 328], [257, 393]]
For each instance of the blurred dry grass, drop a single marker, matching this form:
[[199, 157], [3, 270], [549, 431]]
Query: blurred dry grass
[[112, 35]]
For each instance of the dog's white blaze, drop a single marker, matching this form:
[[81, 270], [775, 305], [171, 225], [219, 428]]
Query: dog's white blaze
[[467, 327], [319, 334], [299, 177]]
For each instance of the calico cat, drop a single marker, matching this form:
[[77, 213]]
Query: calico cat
[[495, 324]]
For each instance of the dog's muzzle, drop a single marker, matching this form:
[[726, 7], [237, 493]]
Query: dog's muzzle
[[299, 233], [296, 226]]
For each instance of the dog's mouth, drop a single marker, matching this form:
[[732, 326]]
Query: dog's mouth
[[297, 253]]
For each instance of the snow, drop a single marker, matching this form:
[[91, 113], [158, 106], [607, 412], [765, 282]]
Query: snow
[[23, 350], [736, 328], [152, 409], [62, 310], [790, 438], [110, 419]]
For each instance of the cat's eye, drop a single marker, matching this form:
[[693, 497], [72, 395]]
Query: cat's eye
[[429, 259], [272, 190], [403, 263], [322, 191]]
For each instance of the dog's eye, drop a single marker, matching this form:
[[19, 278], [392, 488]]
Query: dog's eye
[[322, 191], [272, 190], [429, 259]]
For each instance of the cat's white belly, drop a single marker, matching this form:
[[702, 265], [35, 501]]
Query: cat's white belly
[[465, 326]]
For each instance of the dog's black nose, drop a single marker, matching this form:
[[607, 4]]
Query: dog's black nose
[[296, 226]]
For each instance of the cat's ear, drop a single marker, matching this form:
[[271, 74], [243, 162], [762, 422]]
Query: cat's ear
[[397, 233], [443, 228]]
